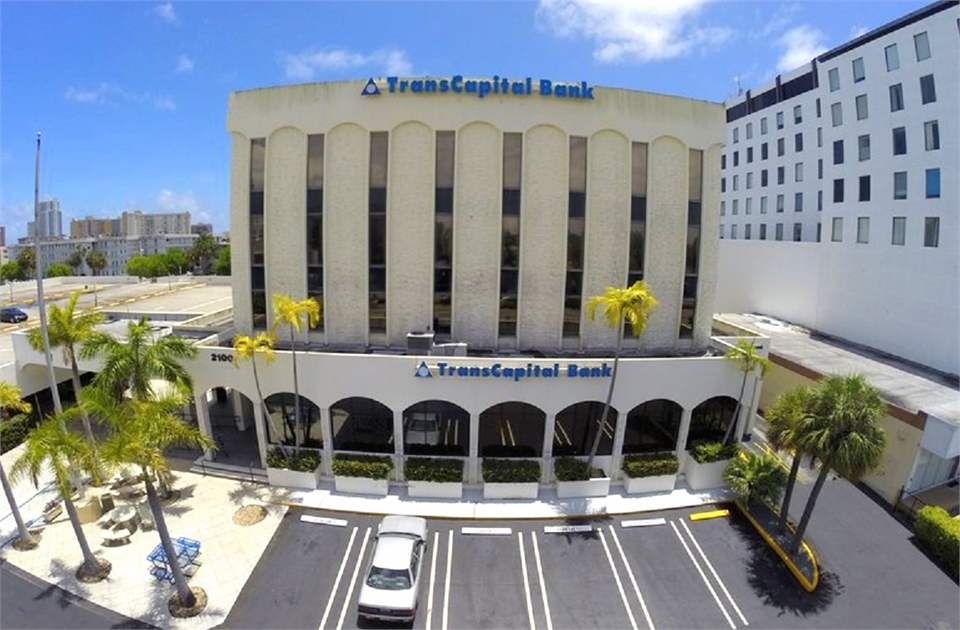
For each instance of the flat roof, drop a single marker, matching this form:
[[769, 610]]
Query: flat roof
[[902, 383]]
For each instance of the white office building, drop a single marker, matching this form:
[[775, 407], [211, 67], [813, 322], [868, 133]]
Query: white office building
[[49, 220]]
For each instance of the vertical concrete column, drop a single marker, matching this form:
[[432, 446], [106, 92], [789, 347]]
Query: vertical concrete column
[[398, 445], [236, 407], [240, 231], [619, 432], [258, 422], [685, 417], [327, 428], [203, 420], [473, 461], [749, 410], [709, 247], [550, 425]]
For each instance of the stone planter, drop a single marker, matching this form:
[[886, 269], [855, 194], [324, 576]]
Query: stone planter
[[705, 476], [435, 489], [643, 485], [596, 487], [528, 490], [52, 513], [286, 478], [362, 485]]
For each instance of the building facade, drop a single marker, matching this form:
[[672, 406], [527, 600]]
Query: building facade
[[138, 223], [49, 220], [117, 249], [91, 227]]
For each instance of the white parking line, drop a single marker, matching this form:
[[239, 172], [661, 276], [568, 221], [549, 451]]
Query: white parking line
[[526, 582], [702, 575], [616, 576], [446, 586], [715, 576], [433, 578], [353, 580], [543, 584], [633, 580], [336, 584]]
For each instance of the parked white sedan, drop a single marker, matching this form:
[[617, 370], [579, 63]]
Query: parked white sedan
[[391, 584]]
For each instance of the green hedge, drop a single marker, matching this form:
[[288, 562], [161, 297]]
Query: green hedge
[[939, 533], [510, 471], [369, 466], [650, 464], [306, 461], [708, 452], [433, 469], [570, 469], [14, 431]]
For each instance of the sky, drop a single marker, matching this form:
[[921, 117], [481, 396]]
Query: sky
[[131, 97]]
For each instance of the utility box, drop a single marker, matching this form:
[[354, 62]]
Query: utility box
[[420, 342]]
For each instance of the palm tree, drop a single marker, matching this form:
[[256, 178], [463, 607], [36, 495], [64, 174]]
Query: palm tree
[[143, 429], [204, 250], [67, 329], [291, 313], [247, 349], [843, 433], [631, 305], [131, 363], [755, 477], [783, 422], [51, 445], [10, 400], [744, 353]]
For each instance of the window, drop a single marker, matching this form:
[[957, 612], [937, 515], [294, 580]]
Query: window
[[736, 158], [763, 126], [931, 231], [749, 155], [928, 90], [819, 200], [819, 229], [779, 203], [763, 151], [736, 206], [748, 206], [512, 191], [798, 232], [779, 120], [838, 190], [749, 131], [893, 59], [736, 182], [723, 184], [899, 234], [859, 74], [900, 185], [838, 151], [863, 229], [922, 45], [899, 141], [798, 202], [763, 205], [576, 209], [836, 232], [933, 183], [736, 135], [780, 147], [819, 168], [721, 230], [746, 231], [798, 142], [763, 178], [377, 247], [723, 161], [819, 137], [780, 175], [931, 135], [834, 77], [862, 107], [798, 172], [733, 231], [864, 188], [763, 231], [779, 231], [443, 232], [723, 208], [836, 114], [749, 181], [863, 147], [818, 107], [896, 97], [797, 115]]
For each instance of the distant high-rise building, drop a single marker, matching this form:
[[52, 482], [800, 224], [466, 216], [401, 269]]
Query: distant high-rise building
[[3, 236], [201, 228], [138, 223], [91, 227], [49, 221]]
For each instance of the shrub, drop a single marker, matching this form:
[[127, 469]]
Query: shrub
[[510, 471], [14, 431], [940, 535], [369, 466], [650, 464], [433, 469], [305, 461], [570, 469], [708, 452]]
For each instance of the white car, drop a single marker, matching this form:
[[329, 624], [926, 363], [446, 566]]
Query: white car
[[423, 428], [391, 583]]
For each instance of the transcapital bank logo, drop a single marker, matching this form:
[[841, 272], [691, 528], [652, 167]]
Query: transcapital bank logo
[[481, 88], [510, 373]]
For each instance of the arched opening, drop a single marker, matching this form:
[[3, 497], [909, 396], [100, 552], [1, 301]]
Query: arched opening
[[577, 426], [436, 427], [281, 422], [362, 425], [512, 429], [231, 424], [710, 420], [652, 426]]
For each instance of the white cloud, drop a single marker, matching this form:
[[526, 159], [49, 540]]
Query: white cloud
[[640, 30], [164, 102], [184, 64], [800, 44], [777, 22], [305, 65], [166, 13], [858, 30], [112, 94], [170, 201]]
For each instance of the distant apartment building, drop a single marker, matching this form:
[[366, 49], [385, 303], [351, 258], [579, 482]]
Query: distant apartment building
[[3, 236], [117, 250], [49, 220], [201, 228], [137, 223], [91, 227]]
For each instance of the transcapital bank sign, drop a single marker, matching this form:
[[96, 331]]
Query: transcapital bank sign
[[480, 88], [499, 371]]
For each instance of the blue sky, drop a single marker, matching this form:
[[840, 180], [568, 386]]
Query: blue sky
[[131, 97]]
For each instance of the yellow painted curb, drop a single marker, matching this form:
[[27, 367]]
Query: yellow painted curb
[[699, 516], [808, 585]]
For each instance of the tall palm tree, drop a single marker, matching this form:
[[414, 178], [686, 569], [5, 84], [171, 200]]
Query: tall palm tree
[[632, 306], [755, 477], [51, 445], [744, 353], [143, 429], [292, 313], [67, 329], [247, 349], [131, 363], [10, 400], [843, 433], [783, 424]]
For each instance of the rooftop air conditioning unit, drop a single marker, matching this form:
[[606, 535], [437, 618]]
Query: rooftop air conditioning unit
[[420, 342]]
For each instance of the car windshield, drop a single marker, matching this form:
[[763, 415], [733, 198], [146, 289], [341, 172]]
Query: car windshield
[[389, 579], [421, 424]]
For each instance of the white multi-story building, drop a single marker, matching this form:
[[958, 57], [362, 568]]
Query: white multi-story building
[[49, 220], [857, 156], [138, 223], [117, 249]]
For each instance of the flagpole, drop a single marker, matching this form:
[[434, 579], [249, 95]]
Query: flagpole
[[54, 390]]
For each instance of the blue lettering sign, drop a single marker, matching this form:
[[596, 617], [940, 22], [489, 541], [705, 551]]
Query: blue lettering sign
[[513, 373], [482, 88]]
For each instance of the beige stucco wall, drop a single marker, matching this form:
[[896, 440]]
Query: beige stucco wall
[[240, 230]]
